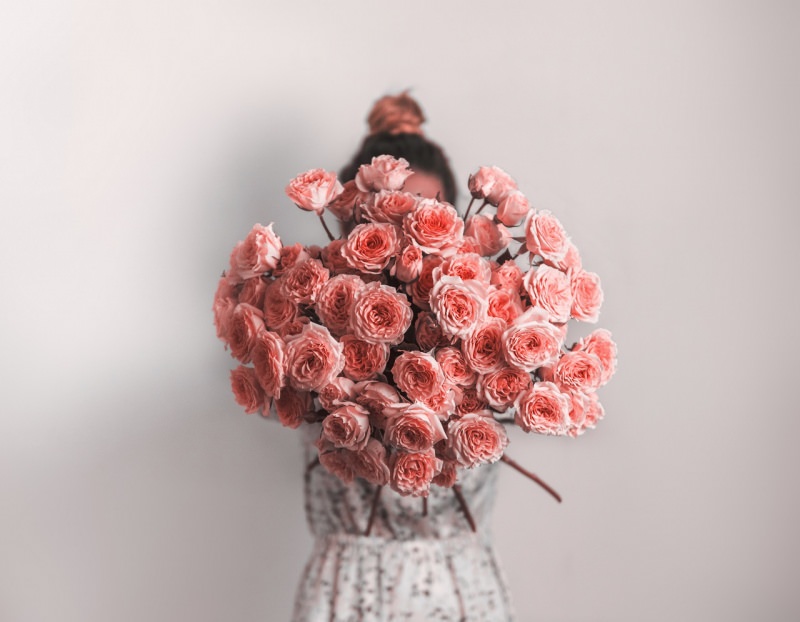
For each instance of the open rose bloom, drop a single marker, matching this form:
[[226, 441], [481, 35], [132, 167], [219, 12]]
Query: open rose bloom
[[415, 339]]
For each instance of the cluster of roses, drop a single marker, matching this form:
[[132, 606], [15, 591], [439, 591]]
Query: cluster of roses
[[404, 337]]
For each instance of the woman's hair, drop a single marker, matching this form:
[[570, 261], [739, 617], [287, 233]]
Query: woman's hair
[[395, 129]]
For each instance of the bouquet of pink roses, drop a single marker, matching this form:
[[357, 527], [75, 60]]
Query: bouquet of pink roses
[[417, 335]]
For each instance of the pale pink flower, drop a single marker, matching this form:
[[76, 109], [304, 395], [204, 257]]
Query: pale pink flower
[[389, 207], [383, 173], [246, 322], [411, 473], [252, 291], [447, 477], [375, 396], [343, 206], [408, 265], [504, 304], [332, 258], [314, 190], [508, 275], [290, 255], [418, 375], [412, 427], [347, 427], [420, 289], [455, 367], [545, 236], [381, 314], [246, 389], [428, 332], [470, 402], [600, 344], [491, 237], [587, 295], [435, 226], [458, 305], [292, 407], [337, 391], [491, 183], [338, 462], [303, 282], [578, 371], [225, 302], [550, 289], [371, 463], [469, 245], [257, 254], [502, 387], [269, 361], [336, 299], [370, 247], [571, 259], [532, 341], [544, 409], [476, 438], [513, 209], [278, 308], [313, 358], [363, 360], [466, 266], [483, 349]]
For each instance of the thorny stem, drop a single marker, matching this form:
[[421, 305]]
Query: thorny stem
[[530, 475], [464, 508], [328, 231], [374, 510]]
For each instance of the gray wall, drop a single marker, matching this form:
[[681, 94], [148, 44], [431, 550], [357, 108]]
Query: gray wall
[[139, 142]]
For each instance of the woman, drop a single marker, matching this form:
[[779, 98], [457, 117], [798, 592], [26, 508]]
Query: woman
[[385, 556]]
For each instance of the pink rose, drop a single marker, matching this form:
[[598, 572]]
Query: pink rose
[[333, 259], [508, 276], [594, 412], [470, 402], [483, 349], [442, 402], [544, 409], [411, 473], [600, 344], [532, 341], [380, 314], [579, 406], [224, 303], [418, 375], [246, 323], [513, 209], [338, 462], [504, 304], [303, 282], [545, 236], [469, 245], [476, 438], [290, 255], [293, 327], [420, 289], [448, 475], [492, 184], [578, 371], [370, 247], [278, 309], [587, 295], [413, 427], [383, 173], [550, 289], [435, 226], [363, 360], [252, 291], [458, 305], [336, 392], [571, 259], [371, 464], [246, 390], [375, 396], [491, 237], [408, 265], [502, 387], [390, 207], [314, 190], [313, 358], [466, 266], [455, 367], [293, 406], [269, 361], [257, 254], [336, 299], [428, 332], [344, 206], [347, 427]]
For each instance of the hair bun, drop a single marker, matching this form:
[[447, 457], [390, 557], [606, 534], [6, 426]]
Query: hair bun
[[396, 114]]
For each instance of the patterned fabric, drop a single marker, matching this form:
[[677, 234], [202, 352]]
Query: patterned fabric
[[411, 567]]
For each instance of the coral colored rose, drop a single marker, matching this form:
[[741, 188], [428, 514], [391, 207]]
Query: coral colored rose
[[545, 236], [303, 282], [337, 391], [476, 438], [363, 360], [383, 173], [246, 322], [571, 259], [428, 332], [290, 255], [455, 367], [578, 371], [225, 302], [491, 237], [469, 245], [579, 406], [492, 184], [550, 289], [246, 389], [420, 289], [502, 387], [338, 462], [483, 349], [443, 402], [412, 427], [375, 396], [256, 254], [292, 407], [508, 275], [293, 327], [504, 304], [470, 402], [408, 265], [544, 409], [466, 266], [418, 375], [335, 301], [371, 463], [314, 190], [252, 291], [380, 314], [600, 344], [587, 295], [370, 247], [532, 341], [269, 361], [343, 206], [347, 427], [313, 358], [593, 413], [411, 473], [458, 305], [513, 209], [447, 477], [435, 226], [278, 309], [389, 207]]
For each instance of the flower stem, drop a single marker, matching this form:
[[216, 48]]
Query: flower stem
[[480, 209], [464, 508], [530, 475], [469, 207], [424, 506], [328, 231], [374, 510]]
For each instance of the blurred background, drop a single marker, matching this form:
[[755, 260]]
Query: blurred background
[[139, 141]]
